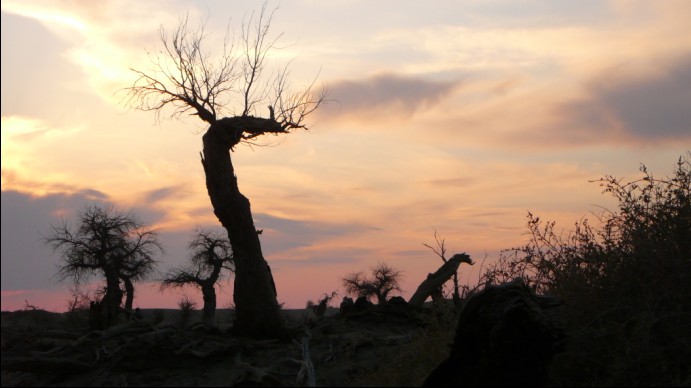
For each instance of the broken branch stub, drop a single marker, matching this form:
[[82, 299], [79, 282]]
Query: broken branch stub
[[434, 281]]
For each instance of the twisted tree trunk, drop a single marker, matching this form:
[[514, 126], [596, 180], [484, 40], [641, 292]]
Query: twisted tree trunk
[[257, 309], [209, 295], [434, 281], [112, 300], [129, 291]]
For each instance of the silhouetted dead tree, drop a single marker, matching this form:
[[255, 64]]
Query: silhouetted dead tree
[[322, 304], [384, 280], [441, 252], [109, 243], [432, 285], [210, 255], [185, 78], [506, 336]]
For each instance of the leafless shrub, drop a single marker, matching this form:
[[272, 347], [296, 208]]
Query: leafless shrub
[[187, 307], [322, 304]]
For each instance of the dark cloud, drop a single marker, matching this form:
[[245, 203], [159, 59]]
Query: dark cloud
[[175, 245], [283, 234], [27, 262], [655, 107], [279, 236], [152, 215], [388, 94]]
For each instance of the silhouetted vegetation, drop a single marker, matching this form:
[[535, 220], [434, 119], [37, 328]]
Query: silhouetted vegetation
[[626, 283], [432, 286], [210, 255], [440, 251], [110, 243], [384, 280], [187, 307], [606, 304], [319, 308]]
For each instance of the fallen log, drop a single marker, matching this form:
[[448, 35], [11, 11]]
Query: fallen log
[[306, 375], [435, 280]]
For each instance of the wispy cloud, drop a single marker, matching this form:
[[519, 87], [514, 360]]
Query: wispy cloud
[[384, 97], [95, 39], [646, 106], [283, 235], [163, 193], [26, 142]]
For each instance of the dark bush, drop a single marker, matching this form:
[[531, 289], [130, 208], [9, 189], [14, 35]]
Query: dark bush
[[626, 283]]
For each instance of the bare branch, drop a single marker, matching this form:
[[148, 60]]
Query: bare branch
[[210, 254], [441, 247], [105, 240], [191, 81]]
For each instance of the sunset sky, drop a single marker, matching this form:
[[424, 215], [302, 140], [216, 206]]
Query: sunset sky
[[454, 116]]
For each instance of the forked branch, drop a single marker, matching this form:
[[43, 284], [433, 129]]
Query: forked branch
[[187, 78]]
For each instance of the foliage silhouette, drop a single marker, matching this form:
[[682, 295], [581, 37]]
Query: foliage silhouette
[[626, 285]]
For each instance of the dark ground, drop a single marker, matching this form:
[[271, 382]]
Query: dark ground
[[384, 346]]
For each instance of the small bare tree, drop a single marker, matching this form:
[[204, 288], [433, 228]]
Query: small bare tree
[[187, 307], [440, 251], [210, 255], [106, 242], [322, 304], [384, 280], [79, 300], [187, 79]]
